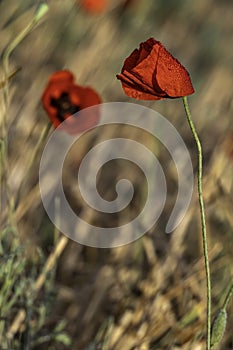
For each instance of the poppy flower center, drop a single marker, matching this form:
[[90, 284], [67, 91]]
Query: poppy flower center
[[64, 106]]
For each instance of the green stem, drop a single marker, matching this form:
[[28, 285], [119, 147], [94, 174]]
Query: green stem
[[203, 223], [228, 297], [31, 164], [10, 76], [39, 13]]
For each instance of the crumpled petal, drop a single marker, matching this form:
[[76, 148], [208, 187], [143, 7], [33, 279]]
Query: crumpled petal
[[171, 76], [152, 73]]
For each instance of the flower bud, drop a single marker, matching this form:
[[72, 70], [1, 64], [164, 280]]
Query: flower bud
[[218, 328]]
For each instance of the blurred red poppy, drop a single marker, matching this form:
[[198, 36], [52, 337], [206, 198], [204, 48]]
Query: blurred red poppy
[[94, 6], [62, 98], [152, 73]]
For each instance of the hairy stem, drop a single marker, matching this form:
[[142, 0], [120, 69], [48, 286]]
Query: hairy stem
[[203, 222]]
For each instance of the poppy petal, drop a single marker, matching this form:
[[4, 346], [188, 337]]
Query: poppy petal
[[139, 95], [171, 76], [152, 73], [62, 76], [62, 99], [94, 6], [133, 87], [144, 69]]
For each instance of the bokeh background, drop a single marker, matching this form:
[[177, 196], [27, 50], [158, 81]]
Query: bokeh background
[[149, 294]]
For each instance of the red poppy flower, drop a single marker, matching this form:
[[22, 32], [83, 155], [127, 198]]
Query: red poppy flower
[[62, 98], [94, 6], [152, 73]]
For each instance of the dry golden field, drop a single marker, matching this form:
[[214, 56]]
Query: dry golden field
[[149, 294]]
